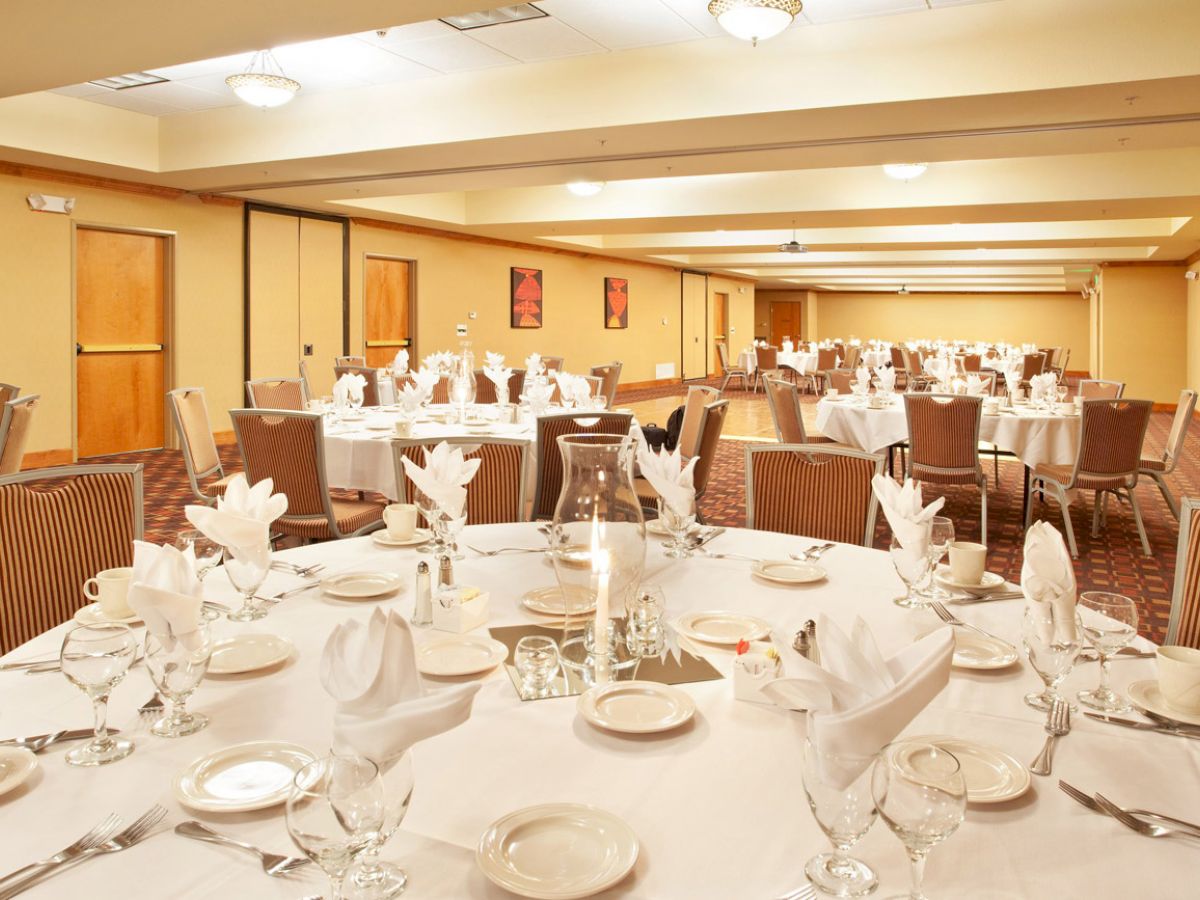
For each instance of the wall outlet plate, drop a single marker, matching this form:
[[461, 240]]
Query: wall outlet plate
[[460, 330], [472, 315], [308, 349]]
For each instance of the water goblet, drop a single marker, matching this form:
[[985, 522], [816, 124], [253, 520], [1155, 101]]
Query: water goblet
[[177, 664], [371, 878], [912, 568], [838, 788], [207, 553], [95, 658], [1109, 623], [678, 523], [920, 793], [247, 570], [1052, 645], [941, 536], [1061, 392], [335, 810], [536, 661]]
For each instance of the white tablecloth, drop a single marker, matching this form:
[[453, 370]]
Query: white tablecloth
[[1034, 437], [876, 358], [718, 805], [800, 361]]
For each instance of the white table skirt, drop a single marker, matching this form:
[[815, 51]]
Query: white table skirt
[[802, 362], [876, 358], [1034, 437], [718, 805]]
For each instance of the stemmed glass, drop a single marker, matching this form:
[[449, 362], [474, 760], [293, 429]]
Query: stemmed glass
[[912, 569], [920, 793], [941, 536], [1061, 392], [842, 804], [1110, 623], [371, 878], [678, 527], [1052, 647], [208, 555], [95, 658], [247, 571], [335, 811], [536, 660], [177, 665]]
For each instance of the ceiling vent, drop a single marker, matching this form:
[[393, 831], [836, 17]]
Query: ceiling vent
[[500, 16], [124, 82]]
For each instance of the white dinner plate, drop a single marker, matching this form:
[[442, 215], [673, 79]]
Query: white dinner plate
[[16, 765], [1147, 697], [379, 426], [787, 571], [93, 615], [973, 650], [353, 418], [992, 776], [636, 707], [248, 653], [549, 601], [419, 536], [990, 582], [722, 627], [557, 851], [256, 775], [361, 585], [460, 654]]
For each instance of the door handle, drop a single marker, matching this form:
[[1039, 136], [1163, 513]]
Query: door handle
[[116, 348], [401, 343]]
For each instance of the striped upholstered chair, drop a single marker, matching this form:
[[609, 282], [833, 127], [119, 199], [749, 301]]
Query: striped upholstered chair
[[610, 376], [276, 393], [698, 397], [8, 392], [818, 491], [712, 423], [441, 389], [289, 448], [766, 364], [841, 380], [370, 376], [349, 361], [943, 442], [898, 364], [190, 415], [61, 526], [1184, 625], [485, 388], [15, 417], [1109, 457], [1163, 466], [549, 479], [554, 363], [1097, 389], [783, 399], [496, 493]]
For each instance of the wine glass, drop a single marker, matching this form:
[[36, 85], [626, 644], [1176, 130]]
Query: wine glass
[[177, 664], [678, 525], [335, 811], [912, 569], [1052, 645], [941, 536], [247, 570], [1061, 392], [207, 553], [536, 660], [371, 878], [95, 658], [1109, 623], [838, 788], [920, 793]]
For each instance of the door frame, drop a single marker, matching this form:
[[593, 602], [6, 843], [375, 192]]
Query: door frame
[[412, 299], [682, 336], [170, 440]]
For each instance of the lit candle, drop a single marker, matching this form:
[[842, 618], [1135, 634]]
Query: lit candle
[[600, 566]]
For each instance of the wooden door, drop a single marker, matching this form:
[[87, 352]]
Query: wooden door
[[387, 310], [720, 319], [693, 321], [120, 296], [785, 322]]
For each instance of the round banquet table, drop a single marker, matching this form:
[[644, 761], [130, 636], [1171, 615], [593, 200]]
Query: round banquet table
[[799, 360], [1033, 436], [718, 804], [876, 358]]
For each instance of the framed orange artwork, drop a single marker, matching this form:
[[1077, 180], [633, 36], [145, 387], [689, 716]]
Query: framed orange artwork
[[616, 302], [526, 300]]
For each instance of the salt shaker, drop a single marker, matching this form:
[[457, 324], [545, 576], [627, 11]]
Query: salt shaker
[[810, 631], [423, 604]]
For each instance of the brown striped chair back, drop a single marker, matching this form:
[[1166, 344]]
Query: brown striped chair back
[[766, 359], [553, 363], [1183, 627], [1096, 389], [812, 490], [276, 393], [827, 359], [189, 412], [898, 362], [711, 427], [496, 493], [1035, 364], [359, 361], [610, 376], [1110, 440], [8, 392], [550, 428], [841, 379], [15, 419], [61, 526], [441, 389], [783, 399], [943, 435], [853, 354], [485, 388], [972, 362], [370, 389], [698, 397]]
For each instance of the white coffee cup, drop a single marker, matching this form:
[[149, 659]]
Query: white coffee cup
[[1078, 401], [831, 392], [401, 520], [110, 588], [991, 405], [404, 428], [1066, 409], [1179, 678], [968, 562]]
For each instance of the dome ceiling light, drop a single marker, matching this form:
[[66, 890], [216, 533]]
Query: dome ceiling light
[[263, 84], [905, 171], [755, 20], [585, 188]]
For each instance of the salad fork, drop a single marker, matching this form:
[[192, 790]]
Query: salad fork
[[1149, 829], [1079, 796], [1058, 723], [950, 619], [272, 863], [804, 892], [95, 836]]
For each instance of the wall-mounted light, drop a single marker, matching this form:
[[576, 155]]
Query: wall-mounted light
[[585, 188], [905, 171], [51, 204]]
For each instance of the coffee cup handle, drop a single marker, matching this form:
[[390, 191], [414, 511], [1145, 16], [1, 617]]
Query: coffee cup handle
[[91, 585]]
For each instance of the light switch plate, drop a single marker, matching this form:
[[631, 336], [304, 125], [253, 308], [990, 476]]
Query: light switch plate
[[472, 315], [461, 330]]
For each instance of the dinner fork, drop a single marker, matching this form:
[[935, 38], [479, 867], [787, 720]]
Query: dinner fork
[[737, 556], [813, 553], [804, 892], [302, 571], [1149, 829], [500, 550], [272, 863], [151, 709], [1058, 723], [1079, 796], [96, 835], [951, 619]]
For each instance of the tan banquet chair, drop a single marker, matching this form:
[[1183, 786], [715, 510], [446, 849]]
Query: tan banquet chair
[[289, 448], [553, 363], [1158, 469], [610, 376], [766, 364], [370, 389], [15, 418], [8, 392], [496, 493], [731, 371], [1110, 445], [853, 355], [841, 380], [276, 393], [898, 364], [1096, 389], [698, 397], [1183, 627], [485, 388], [815, 490], [548, 483], [783, 399], [712, 423], [61, 526], [943, 443], [359, 361], [189, 412], [826, 360]]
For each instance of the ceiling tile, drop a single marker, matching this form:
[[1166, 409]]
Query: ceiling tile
[[135, 101], [406, 34], [221, 65], [453, 53], [821, 11], [618, 24], [344, 62], [80, 90], [695, 13], [186, 97], [937, 3], [535, 39]]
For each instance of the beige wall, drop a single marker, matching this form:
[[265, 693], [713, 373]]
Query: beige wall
[[1193, 329], [1143, 333], [762, 310]]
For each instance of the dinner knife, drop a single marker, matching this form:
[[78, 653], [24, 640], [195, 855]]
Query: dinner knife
[[76, 734], [1145, 726]]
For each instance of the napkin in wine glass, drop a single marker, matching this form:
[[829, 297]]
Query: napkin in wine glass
[[444, 477], [1042, 386], [1048, 582], [411, 396], [400, 363], [348, 389], [533, 365], [907, 517], [887, 378], [440, 362], [975, 385], [498, 374], [426, 379], [164, 592], [495, 360], [862, 375], [242, 518], [670, 476]]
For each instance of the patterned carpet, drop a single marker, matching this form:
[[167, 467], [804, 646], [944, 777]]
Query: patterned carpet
[[1111, 561]]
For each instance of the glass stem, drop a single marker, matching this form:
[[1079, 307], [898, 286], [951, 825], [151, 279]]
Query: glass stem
[[335, 885], [100, 712], [1103, 674], [916, 864]]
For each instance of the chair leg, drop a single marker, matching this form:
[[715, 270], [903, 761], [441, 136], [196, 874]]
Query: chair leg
[[725, 383], [1065, 505], [983, 512], [1137, 518], [1028, 505], [996, 462], [1096, 513], [1161, 481]]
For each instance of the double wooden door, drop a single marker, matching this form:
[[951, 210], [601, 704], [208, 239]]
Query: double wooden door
[[785, 321], [694, 321], [387, 310]]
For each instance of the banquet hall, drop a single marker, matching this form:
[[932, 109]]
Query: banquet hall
[[637, 449]]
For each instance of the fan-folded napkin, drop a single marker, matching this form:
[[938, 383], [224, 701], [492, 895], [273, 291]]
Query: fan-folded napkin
[[348, 390], [400, 363], [495, 360], [411, 396], [862, 375], [438, 362], [975, 386], [444, 477], [165, 593], [1048, 583], [498, 374], [887, 378], [1042, 386], [242, 518], [908, 519], [533, 364], [671, 477]]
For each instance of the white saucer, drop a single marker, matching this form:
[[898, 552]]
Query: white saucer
[[990, 582], [973, 650], [548, 601], [353, 418], [362, 585], [379, 426], [992, 776], [787, 571], [557, 851], [460, 654], [636, 707], [419, 536], [722, 627], [248, 653], [16, 765], [91, 615], [1147, 697], [256, 775]]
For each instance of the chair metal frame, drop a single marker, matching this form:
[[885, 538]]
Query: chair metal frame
[[186, 446], [731, 371], [357, 361], [463, 441], [602, 372], [1120, 386], [794, 392], [976, 470], [61, 472], [1187, 507], [6, 416], [9, 391], [304, 395], [542, 450], [1183, 411]]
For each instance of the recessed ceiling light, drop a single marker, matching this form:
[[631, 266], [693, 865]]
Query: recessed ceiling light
[[518, 12], [754, 20], [585, 188], [905, 171], [124, 82], [263, 83]]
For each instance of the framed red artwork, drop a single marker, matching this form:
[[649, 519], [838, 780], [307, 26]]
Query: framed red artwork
[[526, 301], [616, 302]]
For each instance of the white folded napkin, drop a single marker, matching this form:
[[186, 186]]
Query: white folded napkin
[[670, 477], [426, 379], [382, 707], [573, 388], [444, 477], [348, 390], [400, 363], [887, 378], [858, 701], [1048, 582], [411, 396], [1042, 386], [441, 362], [165, 593], [495, 360], [908, 519], [241, 520], [975, 385], [863, 376], [787, 346], [538, 393], [533, 364], [498, 375]]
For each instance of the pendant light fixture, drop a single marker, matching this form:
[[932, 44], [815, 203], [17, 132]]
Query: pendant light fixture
[[754, 20], [793, 246], [263, 84]]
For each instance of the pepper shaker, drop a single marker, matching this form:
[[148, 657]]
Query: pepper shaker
[[423, 604], [810, 631]]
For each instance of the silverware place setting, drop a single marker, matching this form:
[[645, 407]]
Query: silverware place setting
[[38, 742], [971, 599], [1123, 653], [1176, 729], [500, 550], [292, 569], [1058, 723], [283, 595], [813, 553], [1102, 805], [950, 619], [273, 864]]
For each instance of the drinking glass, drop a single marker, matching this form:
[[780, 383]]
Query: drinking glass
[[208, 554], [1052, 645], [536, 661], [941, 536], [95, 658], [920, 793], [452, 528], [842, 804], [371, 878], [247, 572], [177, 665], [644, 614], [1109, 623], [678, 526], [912, 569], [1061, 392], [334, 812]]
